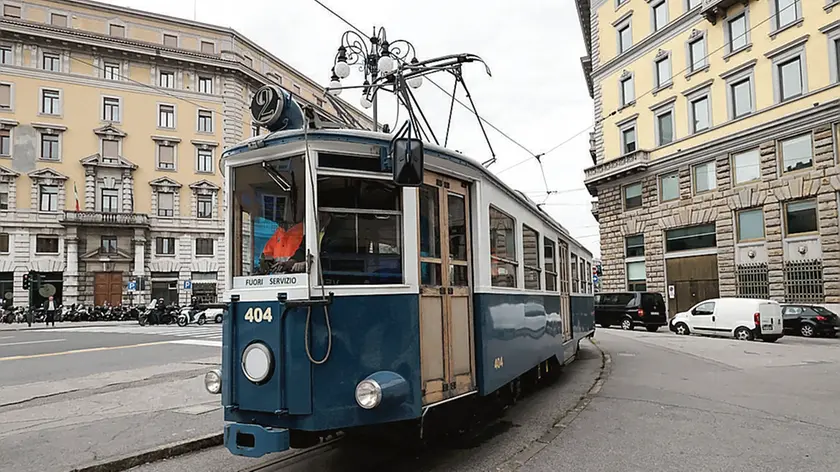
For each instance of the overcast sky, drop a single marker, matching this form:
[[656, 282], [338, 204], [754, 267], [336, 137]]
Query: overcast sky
[[537, 93]]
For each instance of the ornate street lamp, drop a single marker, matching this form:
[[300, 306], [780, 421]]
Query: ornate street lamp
[[377, 59]]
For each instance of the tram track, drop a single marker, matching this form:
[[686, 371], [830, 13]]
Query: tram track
[[296, 456]]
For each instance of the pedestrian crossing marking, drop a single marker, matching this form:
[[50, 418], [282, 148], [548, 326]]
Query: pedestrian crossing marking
[[207, 332]]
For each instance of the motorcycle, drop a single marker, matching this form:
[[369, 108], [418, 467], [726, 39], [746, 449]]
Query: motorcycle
[[167, 317], [189, 315]]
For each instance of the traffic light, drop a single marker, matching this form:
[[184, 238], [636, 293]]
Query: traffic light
[[26, 281]]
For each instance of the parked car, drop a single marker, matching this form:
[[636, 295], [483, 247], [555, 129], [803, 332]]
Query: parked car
[[742, 318], [630, 309], [810, 320]]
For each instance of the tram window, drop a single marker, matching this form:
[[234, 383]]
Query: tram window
[[361, 231], [575, 275], [531, 252], [503, 260], [341, 161], [550, 265], [269, 205]]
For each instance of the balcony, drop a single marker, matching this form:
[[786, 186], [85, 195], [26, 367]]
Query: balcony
[[593, 148], [712, 9], [99, 218], [595, 209], [625, 165]]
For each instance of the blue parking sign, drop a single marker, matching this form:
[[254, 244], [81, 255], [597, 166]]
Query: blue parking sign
[[188, 285], [132, 286]]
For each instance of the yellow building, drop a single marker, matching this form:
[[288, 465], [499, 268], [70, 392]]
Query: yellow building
[[112, 122], [715, 146]]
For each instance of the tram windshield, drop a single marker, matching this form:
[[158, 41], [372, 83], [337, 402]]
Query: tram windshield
[[269, 212]]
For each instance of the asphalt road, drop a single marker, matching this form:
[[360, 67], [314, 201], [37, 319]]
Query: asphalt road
[[73, 396], [667, 403]]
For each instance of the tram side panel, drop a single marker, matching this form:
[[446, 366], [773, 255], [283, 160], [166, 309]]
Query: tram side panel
[[583, 315], [370, 334], [514, 333]]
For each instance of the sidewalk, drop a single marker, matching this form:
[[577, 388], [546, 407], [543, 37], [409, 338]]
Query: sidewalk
[[62, 324], [57, 426]]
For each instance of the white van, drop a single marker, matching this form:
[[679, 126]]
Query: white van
[[741, 318]]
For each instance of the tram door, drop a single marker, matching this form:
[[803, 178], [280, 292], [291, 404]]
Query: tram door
[[446, 322]]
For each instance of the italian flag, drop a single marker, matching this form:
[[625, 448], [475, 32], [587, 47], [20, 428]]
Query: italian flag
[[76, 194]]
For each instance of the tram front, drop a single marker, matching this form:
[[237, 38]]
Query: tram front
[[302, 358]]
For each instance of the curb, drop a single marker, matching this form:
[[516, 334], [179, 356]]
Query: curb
[[168, 451], [66, 324]]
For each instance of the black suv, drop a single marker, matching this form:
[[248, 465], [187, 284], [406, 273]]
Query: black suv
[[810, 320], [630, 309]]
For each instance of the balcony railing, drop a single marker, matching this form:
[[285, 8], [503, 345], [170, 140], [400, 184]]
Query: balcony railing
[[625, 165], [100, 218], [711, 9]]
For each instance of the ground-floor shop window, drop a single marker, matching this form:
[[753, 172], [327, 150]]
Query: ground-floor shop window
[[7, 288], [752, 281], [204, 286], [165, 286], [804, 282], [636, 277]]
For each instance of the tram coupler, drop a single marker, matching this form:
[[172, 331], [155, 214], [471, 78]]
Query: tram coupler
[[251, 440]]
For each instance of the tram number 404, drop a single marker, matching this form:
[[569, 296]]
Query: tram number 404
[[258, 315]]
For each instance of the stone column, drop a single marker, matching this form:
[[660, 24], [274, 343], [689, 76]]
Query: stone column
[[139, 270], [71, 274]]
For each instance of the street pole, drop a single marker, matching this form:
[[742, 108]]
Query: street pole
[[375, 111]]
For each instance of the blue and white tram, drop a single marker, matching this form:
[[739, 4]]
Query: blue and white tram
[[358, 302]]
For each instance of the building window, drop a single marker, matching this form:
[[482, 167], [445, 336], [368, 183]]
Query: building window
[[117, 31], [503, 260], [48, 198], [110, 149], [628, 93], [167, 79], [166, 204], [205, 161], [804, 282], [669, 187], [166, 157], [205, 121], [5, 143], [797, 153], [635, 245], [165, 246], [746, 166], [695, 237], [57, 19], [636, 276], [752, 281], [660, 15], [663, 72], [11, 11], [665, 128], [5, 54], [791, 83], [111, 71], [736, 29], [205, 85], [51, 62], [4, 243], [108, 245], [4, 196], [697, 54], [110, 200], [170, 40], [836, 53], [49, 147], [166, 116], [633, 196], [801, 217], [204, 247], [625, 37], [742, 103], [550, 254], [208, 48], [705, 179], [690, 4], [249, 62], [531, 258], [110, 109], [628, 139], [787, 12], [750, 225], [204, 206], [46, 244], [50, 102], [701, 114]]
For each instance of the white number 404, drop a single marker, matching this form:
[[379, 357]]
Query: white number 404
[[258, 315]]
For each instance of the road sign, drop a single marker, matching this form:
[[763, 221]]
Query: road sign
[[188, 285], [132, 286]]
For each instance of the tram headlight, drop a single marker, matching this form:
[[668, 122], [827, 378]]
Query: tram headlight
[[368, 394], [213, 381], [256, 362]]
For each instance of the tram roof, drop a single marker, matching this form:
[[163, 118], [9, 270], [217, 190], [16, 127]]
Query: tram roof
[[278, 138]]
